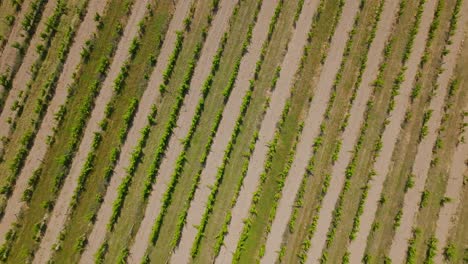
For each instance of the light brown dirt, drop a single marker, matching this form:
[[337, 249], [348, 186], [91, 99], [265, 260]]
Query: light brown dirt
[[226, 126], [219, 26], [447, 216], [424, 155], [311, 128], [19, 84], [105, 95], [278, 99], [23, 75], [59, 215], [8, 54], [390, 135]]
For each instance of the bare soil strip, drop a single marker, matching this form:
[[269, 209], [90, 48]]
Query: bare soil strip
[[19, 83], [311, 129], [278, 98], [230, 114], [220, 25], [390, 135], [423, 157], [447, 215], [87, 28]]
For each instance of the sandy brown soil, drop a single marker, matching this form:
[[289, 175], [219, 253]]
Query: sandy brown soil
[[424, 155], [278, 99], [219, 26], [8, 54], [19, 84], [447, 216], [23, 75], [230, 114], [311, 128], [39, 149], [390, 135]]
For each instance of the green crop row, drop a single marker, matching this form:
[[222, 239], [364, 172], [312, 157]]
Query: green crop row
[[183, 90], [42, 49], [415, 93], [10, 20], [186, 142], [84, 112], [350, 169], [431, 251], [318, 140], [272, 146], [281, 182], [172, 122], [172, 60], [42, 103], [226, 93], [29, 25], [229, 148]]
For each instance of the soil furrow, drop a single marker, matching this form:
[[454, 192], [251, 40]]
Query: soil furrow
[[278, 98], [220, 24], [390, 135], [423, 157], [86, 30], [230, 114], [311, 130]]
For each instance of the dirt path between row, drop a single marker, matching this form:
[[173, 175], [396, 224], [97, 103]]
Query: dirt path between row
[[22, 77], [279, 96], [17, 34], [311, 127], [424, 155], [390, 135], [447, 215], [14, 203], [226, 126], [59, 215], [219, 26]]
